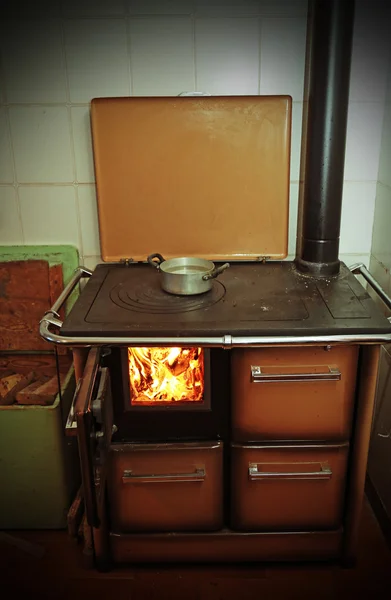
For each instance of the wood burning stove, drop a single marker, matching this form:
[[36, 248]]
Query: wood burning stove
[[268, 462]]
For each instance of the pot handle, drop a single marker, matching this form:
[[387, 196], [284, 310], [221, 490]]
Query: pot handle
[[155, 263], [215, 272]]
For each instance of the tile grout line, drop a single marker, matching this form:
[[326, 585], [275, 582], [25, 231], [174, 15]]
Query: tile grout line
[[64, 60], [194, 39], [74, 184], [260, 23], [11, 146], [68, 107], [15, 182], [387, 186], [193, 17], [78, 218], [129, 53]]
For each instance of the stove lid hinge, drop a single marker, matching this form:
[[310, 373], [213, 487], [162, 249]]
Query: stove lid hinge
[[263, 259], [126, 261]]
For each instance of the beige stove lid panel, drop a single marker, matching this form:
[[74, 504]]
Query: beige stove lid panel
[[191, 176]]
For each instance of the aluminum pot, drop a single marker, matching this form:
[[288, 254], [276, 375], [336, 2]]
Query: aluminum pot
[[185, 276]]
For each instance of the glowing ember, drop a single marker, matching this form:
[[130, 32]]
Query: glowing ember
[[166, 375]]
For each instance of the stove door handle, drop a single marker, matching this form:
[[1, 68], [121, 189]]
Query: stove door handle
[[288, 471], [197, 476], [258, 376]]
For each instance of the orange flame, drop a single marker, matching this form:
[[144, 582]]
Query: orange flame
[[166, 375]]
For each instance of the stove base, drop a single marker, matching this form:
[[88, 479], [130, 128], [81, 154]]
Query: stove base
[[226, 546]]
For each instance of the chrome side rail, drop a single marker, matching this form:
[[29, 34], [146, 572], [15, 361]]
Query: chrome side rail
[[226, 341], [52, 316], [79, 273], [360, 269]]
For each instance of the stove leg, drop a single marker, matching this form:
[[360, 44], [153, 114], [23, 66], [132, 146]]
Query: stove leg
[[367, 380]]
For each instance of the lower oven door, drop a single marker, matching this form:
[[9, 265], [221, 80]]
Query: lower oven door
[[91, 419], [288, 488], [166, 487]]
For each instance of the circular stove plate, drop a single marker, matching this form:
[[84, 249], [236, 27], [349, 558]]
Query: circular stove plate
[[149, 298]]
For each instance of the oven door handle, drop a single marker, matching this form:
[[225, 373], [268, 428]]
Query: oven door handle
[[258, 376], [197, 476], [321, 471]]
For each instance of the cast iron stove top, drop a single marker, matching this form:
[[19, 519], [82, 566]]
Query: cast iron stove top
[[248, 299]]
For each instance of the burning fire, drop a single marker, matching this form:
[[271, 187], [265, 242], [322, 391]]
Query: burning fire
[[166, 374]]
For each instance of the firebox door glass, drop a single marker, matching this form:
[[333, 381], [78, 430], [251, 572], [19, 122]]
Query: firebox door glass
[[166, 376]]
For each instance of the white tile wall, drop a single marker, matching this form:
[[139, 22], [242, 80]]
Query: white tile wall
[[358, 200], [385, 153], [97, 59], [10, 224], [381, 239], [162, 56], [93, 8], [370, 52], [6, 167], [381, 275], [363, 140], [160, 7], [38, 8], [41, 143], [227, 55], [82, 142], [33, 61], [381, 244], [353, 259], [73, 50], [89, 220], [90, 262], [283, 56], [224, 7], [284, 8], [293, 204], [297, 116], [49, 215]]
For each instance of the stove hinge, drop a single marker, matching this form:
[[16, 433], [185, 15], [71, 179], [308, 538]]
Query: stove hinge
[[126, 261]]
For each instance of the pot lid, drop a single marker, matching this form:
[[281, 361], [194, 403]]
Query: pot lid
[[192, 176]]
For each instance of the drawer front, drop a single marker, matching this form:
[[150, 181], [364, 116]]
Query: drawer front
[[166, 487], [288, 488], [293, 393]]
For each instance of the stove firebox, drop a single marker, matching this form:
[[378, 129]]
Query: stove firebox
[[198, 414], [166, 377]]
